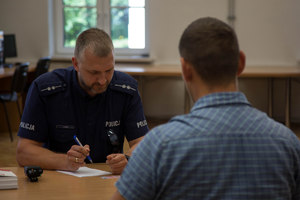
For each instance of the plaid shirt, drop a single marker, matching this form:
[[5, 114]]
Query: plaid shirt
[[222, 149]]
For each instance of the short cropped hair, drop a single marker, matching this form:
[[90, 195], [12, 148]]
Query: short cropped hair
[[212, 48], [96, 40]]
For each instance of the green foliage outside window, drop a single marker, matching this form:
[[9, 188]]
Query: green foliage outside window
[[79, 15], [118, 2], [119, 27]]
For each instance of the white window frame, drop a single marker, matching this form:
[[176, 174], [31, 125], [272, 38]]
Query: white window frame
[[57, 31]]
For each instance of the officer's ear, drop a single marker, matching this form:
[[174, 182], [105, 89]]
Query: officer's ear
[[75, 63]]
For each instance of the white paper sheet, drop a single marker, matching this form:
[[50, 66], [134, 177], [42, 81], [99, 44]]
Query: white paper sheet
[[85, 172]]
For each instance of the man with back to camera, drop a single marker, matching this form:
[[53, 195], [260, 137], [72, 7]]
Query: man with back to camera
[[224, 148], [89, 100]]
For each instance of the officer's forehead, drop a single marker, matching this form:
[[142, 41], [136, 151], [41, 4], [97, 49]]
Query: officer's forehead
[[91, 51], [93, 62]]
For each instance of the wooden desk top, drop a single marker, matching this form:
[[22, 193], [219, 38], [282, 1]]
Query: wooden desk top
[[279, 72], [9, 72], [55, 185], [175, 70]]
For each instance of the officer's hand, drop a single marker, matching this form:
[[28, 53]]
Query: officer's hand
[[116, 162], [76, 156]]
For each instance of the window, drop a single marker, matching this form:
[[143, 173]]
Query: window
[[124, 20]]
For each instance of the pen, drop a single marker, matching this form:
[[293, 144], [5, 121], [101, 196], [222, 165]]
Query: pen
[[79, 143]]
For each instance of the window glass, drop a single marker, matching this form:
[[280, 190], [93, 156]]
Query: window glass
[[124, 20], [77, 17], [74, 24], [80, 2], [136, 3], [119, 2], [136, 28], [119, 27], [128, 24]]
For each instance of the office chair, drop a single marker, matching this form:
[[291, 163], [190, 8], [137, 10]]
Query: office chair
[[18, 84], [42, 66]]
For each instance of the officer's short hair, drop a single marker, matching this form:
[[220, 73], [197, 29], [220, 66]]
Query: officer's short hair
[[211, 47], [97, 40]]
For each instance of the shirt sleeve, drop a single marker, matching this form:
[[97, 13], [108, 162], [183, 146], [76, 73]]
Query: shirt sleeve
[[34, 123], [135, 121], [127, 97], [139, 177]]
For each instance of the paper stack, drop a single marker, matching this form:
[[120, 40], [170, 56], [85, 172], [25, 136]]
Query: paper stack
[[8, 180]]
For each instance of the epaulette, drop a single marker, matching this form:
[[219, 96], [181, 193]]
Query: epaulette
[[122, 86], [51, 88]]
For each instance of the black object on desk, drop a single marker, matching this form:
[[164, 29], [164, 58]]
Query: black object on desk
[[33, 172]]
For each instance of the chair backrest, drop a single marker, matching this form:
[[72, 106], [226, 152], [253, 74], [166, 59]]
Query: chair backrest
[[19, 79], [42, 66]]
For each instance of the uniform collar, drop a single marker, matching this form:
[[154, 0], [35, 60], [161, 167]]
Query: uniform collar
[[220, 98]]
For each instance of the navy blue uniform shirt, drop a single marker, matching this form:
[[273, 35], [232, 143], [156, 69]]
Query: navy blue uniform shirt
[[57, 108]]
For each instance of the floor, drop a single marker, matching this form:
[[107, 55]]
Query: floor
[[8, 148]]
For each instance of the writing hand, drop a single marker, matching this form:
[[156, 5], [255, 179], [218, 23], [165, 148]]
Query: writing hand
[[76, 156]]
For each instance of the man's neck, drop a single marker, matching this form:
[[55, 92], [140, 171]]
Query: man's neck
[[199, 90]]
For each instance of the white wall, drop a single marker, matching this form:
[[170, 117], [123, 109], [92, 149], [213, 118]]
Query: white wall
[[168, 19], [29, 21], [268, 31]]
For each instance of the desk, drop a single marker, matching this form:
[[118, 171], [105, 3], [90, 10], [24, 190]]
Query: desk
[[9, 72], [55, 185], [270, 73], [286, 73], [145, 70], [6, 76]]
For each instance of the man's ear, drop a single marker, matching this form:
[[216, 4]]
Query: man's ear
[[75, 63], [242, 63], [186, 68]]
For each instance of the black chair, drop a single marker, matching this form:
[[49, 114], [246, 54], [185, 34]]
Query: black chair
[[42, 66], [18, 84]]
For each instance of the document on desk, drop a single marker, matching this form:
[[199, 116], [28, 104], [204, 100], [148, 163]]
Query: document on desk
[[85, 172]]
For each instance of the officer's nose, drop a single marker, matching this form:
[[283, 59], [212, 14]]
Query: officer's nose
[[101, 79]]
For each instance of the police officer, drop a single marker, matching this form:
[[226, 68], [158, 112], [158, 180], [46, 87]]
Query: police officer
[[90, 100]]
